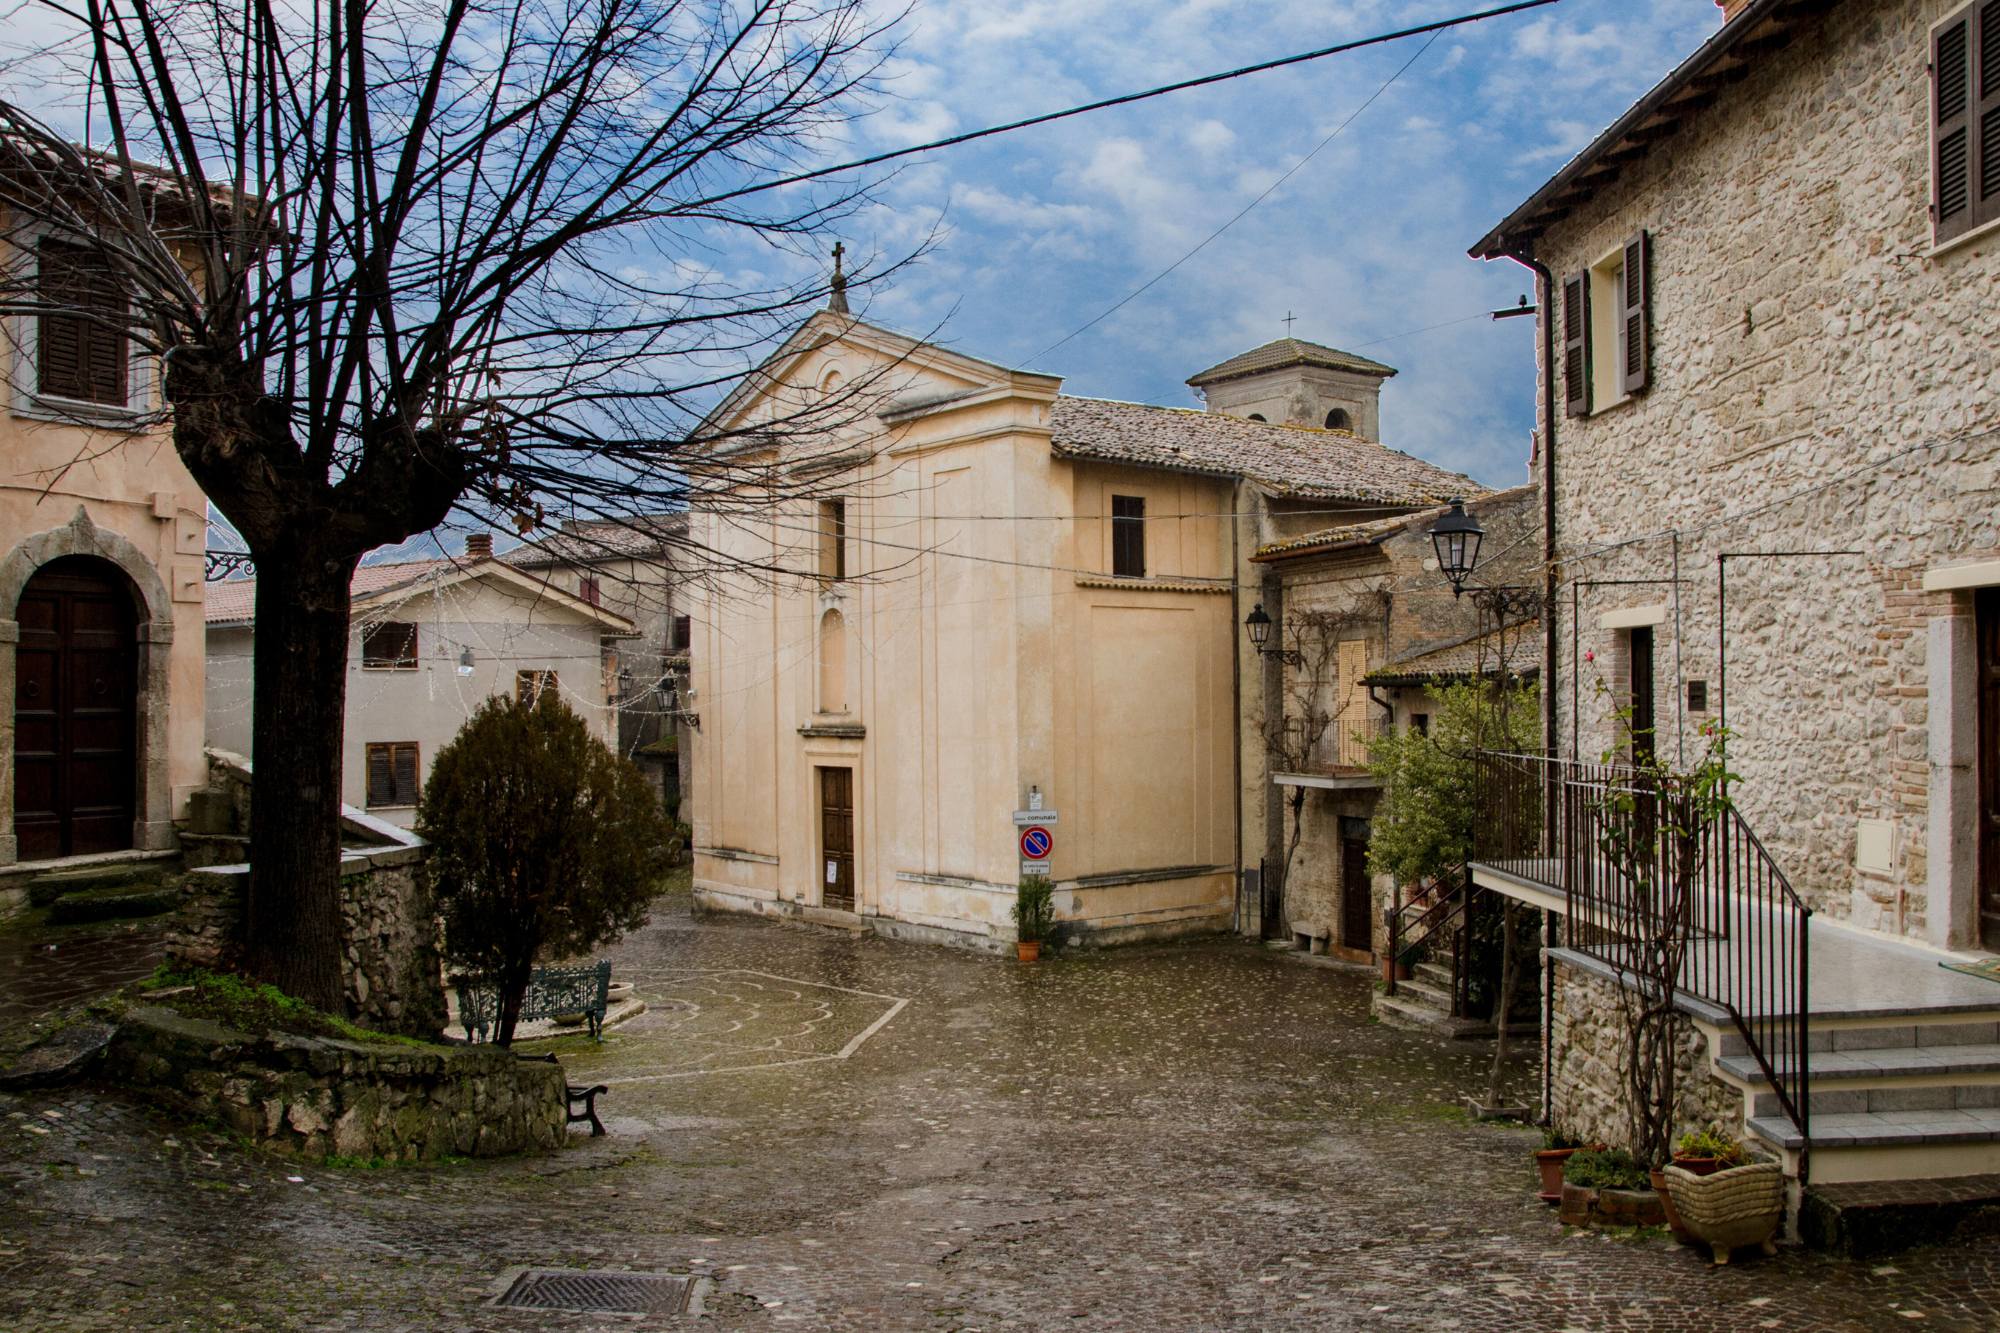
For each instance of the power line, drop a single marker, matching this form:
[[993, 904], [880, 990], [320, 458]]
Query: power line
[[1242, 212], [1124, 99]]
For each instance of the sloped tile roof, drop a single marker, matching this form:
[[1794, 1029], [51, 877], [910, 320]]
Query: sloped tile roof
[[1289, 352], [1347, 534], [1477, 656], [236, 599], [1286, 460], [600, 539]]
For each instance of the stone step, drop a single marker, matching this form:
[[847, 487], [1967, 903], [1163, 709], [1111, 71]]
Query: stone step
[[1426, 992], [117, 902], [1824, 1100], [45, 889], [1892, 1032], [1883, 1129], [1878, 1065], [1400, 1010], [1438, 974], [1868, 1218]]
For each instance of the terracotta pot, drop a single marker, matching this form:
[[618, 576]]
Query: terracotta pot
[[1028, 950], [1549, 1161], [1700, 1166], [1681, 1233]]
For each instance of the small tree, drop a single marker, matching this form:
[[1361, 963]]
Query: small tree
[[542, 841], [1293, 733]]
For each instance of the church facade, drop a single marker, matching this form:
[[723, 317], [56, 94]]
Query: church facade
[[996, 607]]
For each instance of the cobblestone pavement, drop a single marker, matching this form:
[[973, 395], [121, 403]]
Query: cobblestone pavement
[[1179, 1137]]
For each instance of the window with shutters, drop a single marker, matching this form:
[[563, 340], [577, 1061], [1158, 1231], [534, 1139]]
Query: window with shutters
[[392, 773], [530, 685], [1965, 120], [389, 646], [1128, 536], [81, 353], [683, 633], [1607, 329], [588, 589]]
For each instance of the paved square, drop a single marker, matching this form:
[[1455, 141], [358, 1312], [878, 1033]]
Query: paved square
[[1196, 1137]]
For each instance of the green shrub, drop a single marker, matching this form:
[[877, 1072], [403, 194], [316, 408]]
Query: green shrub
[[1605, 1170], [543, 843], [1034, 910], [1710, 1142], [1557, 1137]]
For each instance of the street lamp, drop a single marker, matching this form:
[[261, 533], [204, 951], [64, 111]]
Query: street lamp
[[1456, 537], [1258, 625]]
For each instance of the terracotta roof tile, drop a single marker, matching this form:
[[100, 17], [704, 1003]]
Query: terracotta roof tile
[[236, 599], [1477, 656], [601, 539], [1286, 460], [1289, 352]]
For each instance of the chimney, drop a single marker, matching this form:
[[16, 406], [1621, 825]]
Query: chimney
[[478, 546], [1730, 8]]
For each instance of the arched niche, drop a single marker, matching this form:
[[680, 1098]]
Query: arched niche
[[832, 662]]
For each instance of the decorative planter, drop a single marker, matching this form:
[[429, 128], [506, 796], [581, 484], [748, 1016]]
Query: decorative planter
[[1731, 1209], [1699, 1166], [1028, 951], [1549, 1161]]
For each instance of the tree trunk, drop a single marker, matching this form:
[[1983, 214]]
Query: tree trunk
[[1503, 1008], [297, 714], [1298, 804], [512, 994]]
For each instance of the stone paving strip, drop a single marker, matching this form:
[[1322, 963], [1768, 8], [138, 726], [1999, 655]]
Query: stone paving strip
[[1162, 1138]]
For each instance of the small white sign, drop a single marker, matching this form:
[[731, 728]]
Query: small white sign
[[833, 872], [1034, 817]]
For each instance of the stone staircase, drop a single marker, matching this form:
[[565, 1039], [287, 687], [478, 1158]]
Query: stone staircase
[[1423, 1002], [1897, 1095], [110, 891]]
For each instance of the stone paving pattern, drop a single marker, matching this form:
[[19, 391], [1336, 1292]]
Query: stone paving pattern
[[1174, 1137]]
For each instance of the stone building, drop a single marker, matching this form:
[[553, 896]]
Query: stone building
[[1768, 423], [102, 533], [1398, 631], [997, 599], [627, 566], [430, 641]]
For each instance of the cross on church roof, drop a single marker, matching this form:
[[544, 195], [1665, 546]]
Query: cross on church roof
[[837, 299]]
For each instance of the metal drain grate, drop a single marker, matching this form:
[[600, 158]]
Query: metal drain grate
[[591, 1292]]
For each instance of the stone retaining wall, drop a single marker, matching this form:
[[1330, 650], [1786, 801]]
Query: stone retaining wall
[[1591, 1054], [313, 1097]]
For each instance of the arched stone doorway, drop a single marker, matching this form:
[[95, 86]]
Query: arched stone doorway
[[76, 681], [149, 638]]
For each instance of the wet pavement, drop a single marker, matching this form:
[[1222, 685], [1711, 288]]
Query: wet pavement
[[856, 1134], [43, 967]]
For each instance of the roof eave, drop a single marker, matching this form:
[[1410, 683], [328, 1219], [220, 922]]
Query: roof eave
[[1762, 25]]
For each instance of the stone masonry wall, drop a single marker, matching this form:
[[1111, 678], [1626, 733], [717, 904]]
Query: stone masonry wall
[[311, 1097], [1821, 381], [1591, 1054]]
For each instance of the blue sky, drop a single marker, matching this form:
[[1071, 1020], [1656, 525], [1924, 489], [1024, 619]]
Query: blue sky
[[1045, 229]]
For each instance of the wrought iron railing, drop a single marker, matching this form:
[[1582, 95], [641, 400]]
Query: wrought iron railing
[[1663, 881], [1349, 738]]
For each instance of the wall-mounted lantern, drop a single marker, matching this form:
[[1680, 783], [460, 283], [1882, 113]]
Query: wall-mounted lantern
[[1456, 538], [1258, 625]]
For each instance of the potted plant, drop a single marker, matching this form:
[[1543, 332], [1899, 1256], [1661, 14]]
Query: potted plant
[[1557, 1145], [1731, 1208], [1034, 916], [1608, 1188], [1707, 1151]]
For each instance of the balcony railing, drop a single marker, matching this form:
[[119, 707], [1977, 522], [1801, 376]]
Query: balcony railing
[[1661, 883], [1344, 747]]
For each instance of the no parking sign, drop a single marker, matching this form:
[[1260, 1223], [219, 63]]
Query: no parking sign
[[1036, 843]]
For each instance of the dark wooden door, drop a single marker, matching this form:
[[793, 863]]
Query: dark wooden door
[[76, 676], [1642, 694], [1357, 900], [1987, 607], [836, 837]]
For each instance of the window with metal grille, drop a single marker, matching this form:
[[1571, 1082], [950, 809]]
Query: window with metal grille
[[1128, 536], [531, 684], [392, 773], [81, 352], [389, 646]]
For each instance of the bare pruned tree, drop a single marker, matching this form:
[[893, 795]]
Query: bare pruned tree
[[396, 258], [1306, 710]]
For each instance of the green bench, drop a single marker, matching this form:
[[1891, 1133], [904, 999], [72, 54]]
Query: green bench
[[552, 992]]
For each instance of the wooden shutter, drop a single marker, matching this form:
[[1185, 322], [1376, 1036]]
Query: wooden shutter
[[1635, 314], [381, 776], [1952, 154], [1986, 207], [683, 633], [406, 773], [80, 355], [1576, 343]]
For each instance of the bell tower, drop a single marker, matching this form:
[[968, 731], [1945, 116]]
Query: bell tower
[[1299, 383]]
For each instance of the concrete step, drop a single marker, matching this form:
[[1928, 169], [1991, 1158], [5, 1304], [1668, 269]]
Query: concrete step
[[114, 903], [45, 889], [1910, 1078], [1426, 992], [1400, 1010], [1892, 1145], [1437, 974], [1891, 1032], [1868, 1218]]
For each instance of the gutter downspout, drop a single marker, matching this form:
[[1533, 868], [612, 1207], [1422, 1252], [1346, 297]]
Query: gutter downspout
[[1236, 684], [1551, 641]]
